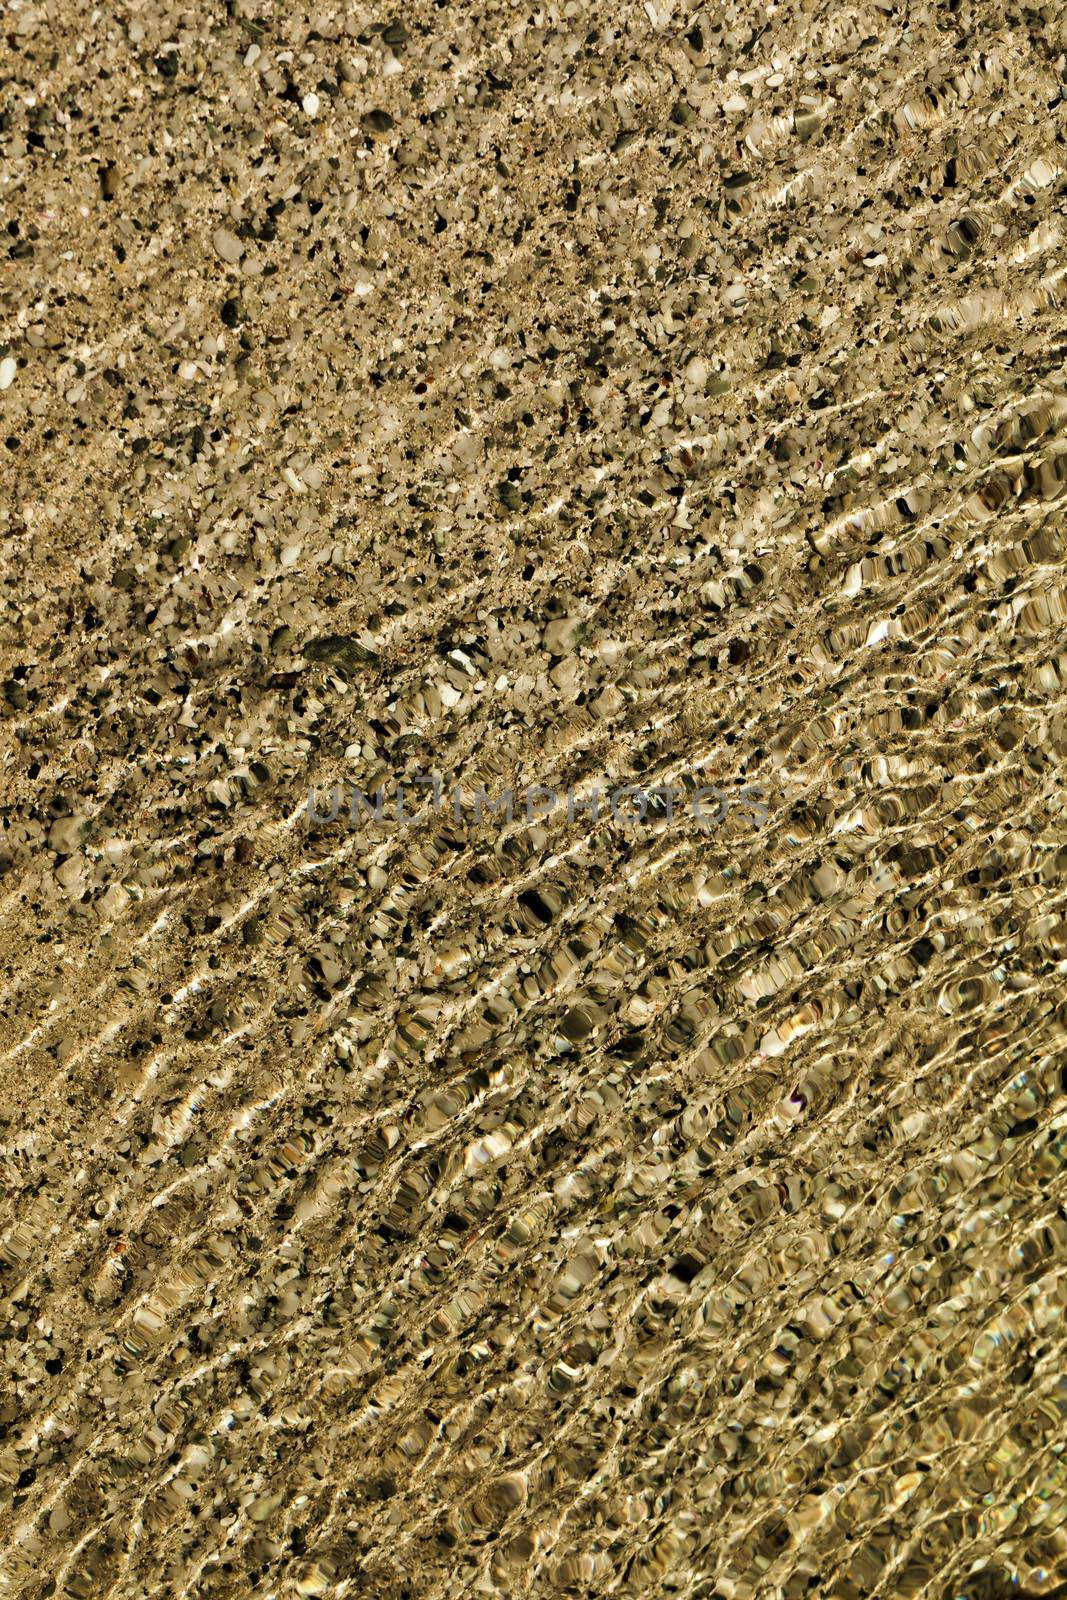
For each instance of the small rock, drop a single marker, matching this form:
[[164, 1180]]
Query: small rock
[[227, 245], [339, 649], [8, 369], [561, 637], [64, 835], [377, 122]]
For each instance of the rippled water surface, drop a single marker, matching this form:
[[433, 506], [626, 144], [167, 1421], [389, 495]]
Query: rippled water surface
[[584, 397]]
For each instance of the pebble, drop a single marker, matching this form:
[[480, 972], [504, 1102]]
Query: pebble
[[8, 369], [227, 245]]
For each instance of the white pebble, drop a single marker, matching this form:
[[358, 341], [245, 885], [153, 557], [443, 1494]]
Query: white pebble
[[310, 104], [228, 246], [8, 369]]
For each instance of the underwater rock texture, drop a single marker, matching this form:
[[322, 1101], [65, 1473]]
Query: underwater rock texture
[[581, 396]]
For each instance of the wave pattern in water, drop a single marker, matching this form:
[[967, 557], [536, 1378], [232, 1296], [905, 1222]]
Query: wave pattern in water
[[579, 397]]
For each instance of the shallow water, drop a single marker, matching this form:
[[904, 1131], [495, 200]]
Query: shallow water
[[581, 399]]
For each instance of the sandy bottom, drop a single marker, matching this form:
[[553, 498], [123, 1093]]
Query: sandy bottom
[[551, 401]]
